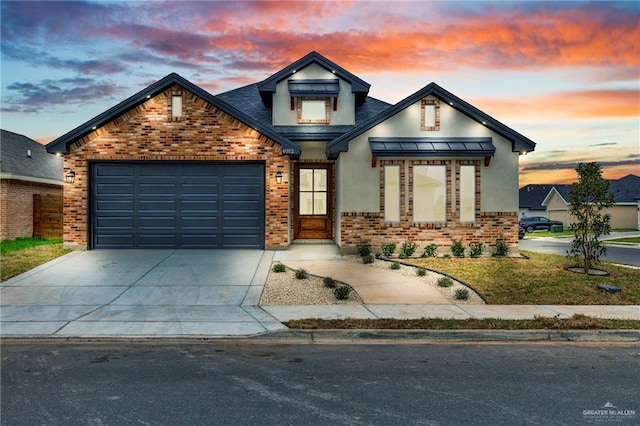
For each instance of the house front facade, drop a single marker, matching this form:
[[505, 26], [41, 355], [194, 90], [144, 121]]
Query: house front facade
[[305, 154]]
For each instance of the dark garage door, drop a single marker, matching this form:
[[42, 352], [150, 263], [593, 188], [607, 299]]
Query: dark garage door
[[177, 205]]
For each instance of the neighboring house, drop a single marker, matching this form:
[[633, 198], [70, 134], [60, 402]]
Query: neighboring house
[[531, 198], [25, 170], [625, 214], [304, 154]]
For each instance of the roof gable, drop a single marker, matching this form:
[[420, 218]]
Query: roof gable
[[61, 145], [561, 190], [519, 142], [268, 86], [17, 164]]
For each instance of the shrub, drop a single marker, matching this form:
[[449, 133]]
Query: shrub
[[407, 248], [364, 249], [342, 292], [279, 267], [367, 259], [388, 249], [476, 249], [457, 249], [301, 274], [445, 282], [502, 249], [446, 256], [421, 271], [430, 251], [462, 294], [329, 282], [395, 265]]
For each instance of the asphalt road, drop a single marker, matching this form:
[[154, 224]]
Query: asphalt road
[[626, 255], [243, 384]]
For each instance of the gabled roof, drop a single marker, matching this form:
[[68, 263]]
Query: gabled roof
[[16, 163], [247, 99], [61, 145], [268, 86], [626, 189], [531, 196], [518, 142], [561, 190]]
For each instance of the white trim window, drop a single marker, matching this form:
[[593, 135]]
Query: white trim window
[[392, 193], [429, 193], [467, 193]]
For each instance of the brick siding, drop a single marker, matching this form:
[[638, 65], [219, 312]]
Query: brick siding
[[16, 206], [149, 133]]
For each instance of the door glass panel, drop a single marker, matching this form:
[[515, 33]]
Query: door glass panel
[[306, 203], [320, 180], [320, 203], [306, 179]]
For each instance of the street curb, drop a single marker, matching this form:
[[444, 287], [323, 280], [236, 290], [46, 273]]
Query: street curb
[[414, 336], [351, 336]]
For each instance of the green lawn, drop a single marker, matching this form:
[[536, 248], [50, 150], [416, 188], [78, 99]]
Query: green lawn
[[541, 279], [20, 255], [631, 240]]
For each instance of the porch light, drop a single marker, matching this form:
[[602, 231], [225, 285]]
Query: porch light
[[278, 177], [70, 176]]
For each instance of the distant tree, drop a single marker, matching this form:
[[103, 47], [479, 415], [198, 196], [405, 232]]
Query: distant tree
[[587, 198]]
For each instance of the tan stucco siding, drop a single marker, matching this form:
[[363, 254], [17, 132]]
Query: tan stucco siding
[[283, 115], [360, 182], [624, 216]]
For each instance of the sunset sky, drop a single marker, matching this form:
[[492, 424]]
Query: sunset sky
[[564, 74]]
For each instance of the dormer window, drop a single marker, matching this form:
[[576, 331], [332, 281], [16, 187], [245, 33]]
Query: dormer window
[[312, 110], [430, 115]]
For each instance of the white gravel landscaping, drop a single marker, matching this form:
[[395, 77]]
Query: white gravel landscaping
[[284, 288]]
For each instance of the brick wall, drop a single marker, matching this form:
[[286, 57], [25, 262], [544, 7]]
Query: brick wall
[[16, 206], [371, 227], [149, 133]]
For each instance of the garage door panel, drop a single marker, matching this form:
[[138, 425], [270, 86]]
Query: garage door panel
[[178, 205]]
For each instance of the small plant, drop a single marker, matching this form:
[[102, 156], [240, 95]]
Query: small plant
[[445, 282], [301, 274], [421, 271], [279, 267], [502, 249], [457, 249], [329, 282], [395, 265], [462, 294], [367, 259], [364, 249], [446, 256], [430, 251], [388, 249], [476, 249], [342, 292], [407, 249]]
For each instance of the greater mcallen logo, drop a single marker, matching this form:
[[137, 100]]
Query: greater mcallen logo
[[608, 413]]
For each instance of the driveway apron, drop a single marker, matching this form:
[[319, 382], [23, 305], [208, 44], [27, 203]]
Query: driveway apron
[[140, 293]]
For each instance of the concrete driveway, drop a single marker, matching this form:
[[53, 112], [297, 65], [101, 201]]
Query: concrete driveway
[[140, 293]]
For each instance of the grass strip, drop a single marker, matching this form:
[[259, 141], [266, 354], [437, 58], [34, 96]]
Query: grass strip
[[577, 322], [18, 261], [8, 246]]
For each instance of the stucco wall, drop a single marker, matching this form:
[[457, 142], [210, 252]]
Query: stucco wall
[[359, 181], [284, 116]]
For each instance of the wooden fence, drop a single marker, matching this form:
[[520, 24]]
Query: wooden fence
[[47, 216]]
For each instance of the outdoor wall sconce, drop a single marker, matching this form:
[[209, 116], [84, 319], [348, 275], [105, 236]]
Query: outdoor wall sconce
[[70, 176], [278, 177]]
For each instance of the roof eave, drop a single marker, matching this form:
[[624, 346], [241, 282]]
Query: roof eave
[[61, 145]]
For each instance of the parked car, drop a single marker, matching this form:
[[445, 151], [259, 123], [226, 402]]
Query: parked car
[[534, 223], [520, 232]]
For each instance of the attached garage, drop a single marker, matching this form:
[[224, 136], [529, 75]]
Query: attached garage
[[177, 204]]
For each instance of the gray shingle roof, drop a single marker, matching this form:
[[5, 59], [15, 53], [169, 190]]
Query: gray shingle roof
[[15, 162], [626, 189]]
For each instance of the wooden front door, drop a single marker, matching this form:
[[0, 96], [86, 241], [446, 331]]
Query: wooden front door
[[313, 201]]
